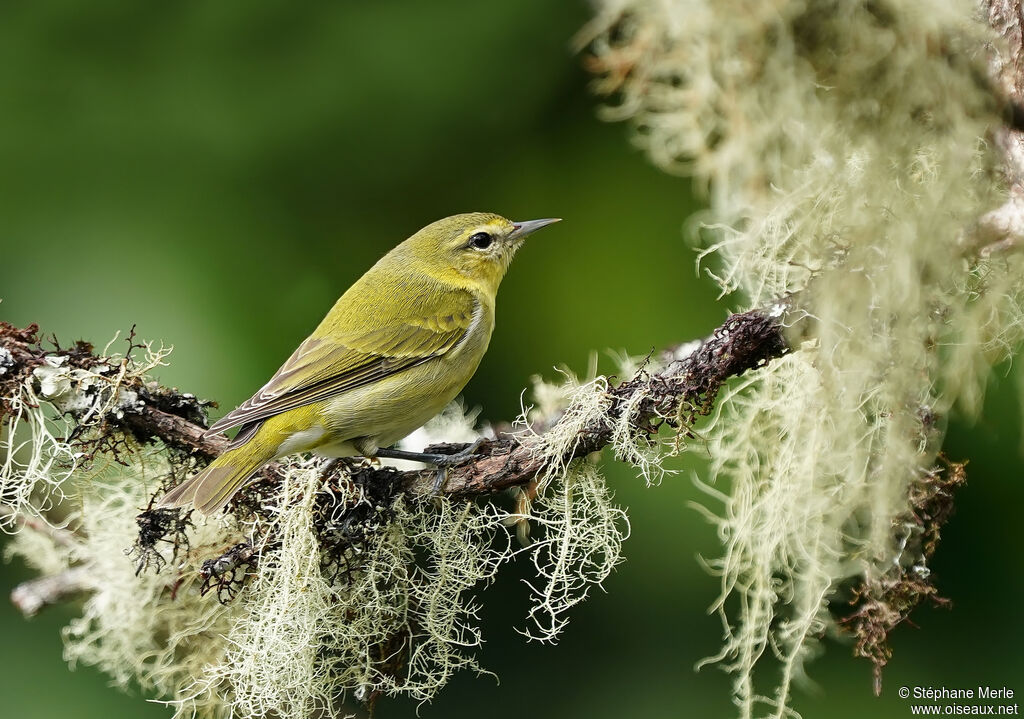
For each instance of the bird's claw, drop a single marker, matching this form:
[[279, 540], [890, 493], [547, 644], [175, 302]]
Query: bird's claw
[[446, 461], [461, 457]]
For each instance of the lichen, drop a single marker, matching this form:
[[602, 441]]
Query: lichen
[[401, 623], [845, 151], [35, 460], [581, 544], [6, 361], [565, 412], [152, 630], [321, 590]]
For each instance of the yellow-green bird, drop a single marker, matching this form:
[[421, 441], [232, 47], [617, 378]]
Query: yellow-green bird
[[397, 347]]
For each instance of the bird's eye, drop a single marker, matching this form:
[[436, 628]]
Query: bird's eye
[[481, 240]]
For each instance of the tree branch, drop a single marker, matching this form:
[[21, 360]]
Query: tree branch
[[691, 379], [684, 389], [36, 594]]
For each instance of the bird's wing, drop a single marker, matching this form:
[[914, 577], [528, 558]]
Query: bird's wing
[[337, 357]]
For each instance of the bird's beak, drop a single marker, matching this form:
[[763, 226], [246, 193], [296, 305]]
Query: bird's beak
[[522, 229]]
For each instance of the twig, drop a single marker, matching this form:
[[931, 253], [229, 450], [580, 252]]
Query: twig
[[34, 595]]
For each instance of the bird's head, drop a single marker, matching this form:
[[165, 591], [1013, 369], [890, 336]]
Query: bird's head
[[476, 247]]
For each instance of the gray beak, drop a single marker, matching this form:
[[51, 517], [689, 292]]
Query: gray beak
[[522, 229]]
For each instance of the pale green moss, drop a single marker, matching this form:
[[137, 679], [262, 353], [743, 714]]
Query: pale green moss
[[34, 462], [300, 637], [844, 148], [150, 630], [579, 546]]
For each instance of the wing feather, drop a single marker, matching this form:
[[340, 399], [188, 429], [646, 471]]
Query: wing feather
[[333, 360]]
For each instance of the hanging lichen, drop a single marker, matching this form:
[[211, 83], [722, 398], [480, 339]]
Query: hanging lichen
[[846, 151]]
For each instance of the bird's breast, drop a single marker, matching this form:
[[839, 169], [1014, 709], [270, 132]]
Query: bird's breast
[[394, 406], [473, 345]]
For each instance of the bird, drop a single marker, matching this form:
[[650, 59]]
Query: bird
[[392, 352]]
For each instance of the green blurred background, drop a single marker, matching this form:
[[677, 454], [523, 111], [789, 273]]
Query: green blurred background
[[218, 173]]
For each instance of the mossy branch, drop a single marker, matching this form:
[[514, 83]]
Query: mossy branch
[[682, 390]]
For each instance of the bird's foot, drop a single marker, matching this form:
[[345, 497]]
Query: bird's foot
[[442, 461], [460, 457], [452, 460]]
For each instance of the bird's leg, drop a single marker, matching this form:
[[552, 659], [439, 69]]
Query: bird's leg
[[452, 460], [426, 457], [441, 461], [435, 458]]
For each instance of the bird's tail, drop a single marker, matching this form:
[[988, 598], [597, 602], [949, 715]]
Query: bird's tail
[[212, 488]]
